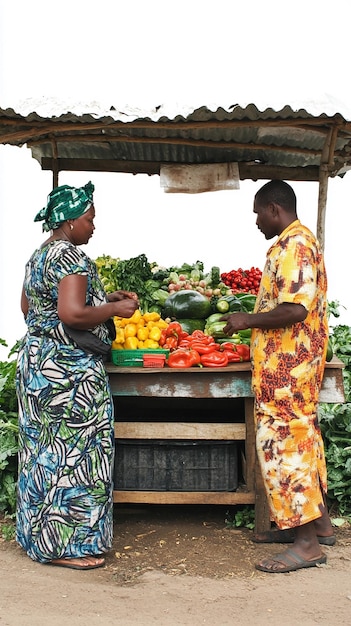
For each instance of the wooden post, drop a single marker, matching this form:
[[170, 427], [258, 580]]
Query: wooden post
[[322, 203], [55, 171], [326, 166]]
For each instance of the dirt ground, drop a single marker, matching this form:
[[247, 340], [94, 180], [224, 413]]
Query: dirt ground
[[177, 566]]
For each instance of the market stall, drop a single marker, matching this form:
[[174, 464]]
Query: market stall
[[292, 144]]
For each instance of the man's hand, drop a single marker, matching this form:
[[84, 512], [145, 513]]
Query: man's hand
[[235, 322]]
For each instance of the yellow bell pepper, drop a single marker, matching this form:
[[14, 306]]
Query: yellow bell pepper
[[143, 333], [120, 337], [161, 324], [130, 330], [151, 317], [117, 346], [140, 345], [136, 317], [131, 343], [150, 343], [155, 333]]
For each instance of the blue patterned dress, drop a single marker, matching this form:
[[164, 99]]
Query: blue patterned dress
[[66, 439]]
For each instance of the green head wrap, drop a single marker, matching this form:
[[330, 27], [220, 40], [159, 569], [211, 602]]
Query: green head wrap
[[65, 203]]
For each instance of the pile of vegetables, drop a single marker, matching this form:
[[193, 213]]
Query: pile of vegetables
[[140, 331], [200, 349], [243, 280], [154, 283], [187, 328]]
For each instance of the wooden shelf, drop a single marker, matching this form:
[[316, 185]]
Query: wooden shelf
[[184, 497], [180, 430]]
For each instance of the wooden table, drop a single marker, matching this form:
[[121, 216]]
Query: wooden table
[[233, 381]]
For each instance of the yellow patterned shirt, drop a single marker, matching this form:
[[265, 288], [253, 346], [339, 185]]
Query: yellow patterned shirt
[[288, 366], [292, 358]]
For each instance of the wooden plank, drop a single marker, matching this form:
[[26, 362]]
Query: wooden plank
[[180, 430], [230, 382], [186, 497], [185, 383]]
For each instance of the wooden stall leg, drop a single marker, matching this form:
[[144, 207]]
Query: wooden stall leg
[[250, 445], [253, 473], [262, 514]]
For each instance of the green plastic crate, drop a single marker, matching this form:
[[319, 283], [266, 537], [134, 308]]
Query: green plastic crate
[[134, 358]]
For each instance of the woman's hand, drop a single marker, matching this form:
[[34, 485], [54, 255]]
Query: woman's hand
[[125, 307], [116, 296]]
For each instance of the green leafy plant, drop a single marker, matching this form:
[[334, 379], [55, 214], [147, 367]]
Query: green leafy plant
[[8, 432], [8, 528], [243, 517], [335, 421]]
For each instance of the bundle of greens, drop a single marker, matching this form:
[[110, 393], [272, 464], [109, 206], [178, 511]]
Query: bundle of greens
[[107, 267], [133, 275]]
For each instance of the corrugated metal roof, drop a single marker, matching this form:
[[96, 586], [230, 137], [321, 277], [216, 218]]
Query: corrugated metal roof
[[290, 142]]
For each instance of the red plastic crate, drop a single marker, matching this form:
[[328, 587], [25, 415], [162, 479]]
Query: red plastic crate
[[154, 360]]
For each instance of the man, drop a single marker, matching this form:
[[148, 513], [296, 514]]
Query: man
[[288, 349]]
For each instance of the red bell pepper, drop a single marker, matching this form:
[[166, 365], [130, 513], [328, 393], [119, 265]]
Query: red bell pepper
[[204, 348], [227, 345], [173, 329], [184, 343], [162, 340], [171, 343], [198, 334], [183, 357], [244, 351], [214, 359], [233, 356]]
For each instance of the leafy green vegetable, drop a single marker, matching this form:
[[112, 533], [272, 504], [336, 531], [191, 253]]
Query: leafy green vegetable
[[107, 267], [215, 276], [132, 275], [160, 296], [186, 269]]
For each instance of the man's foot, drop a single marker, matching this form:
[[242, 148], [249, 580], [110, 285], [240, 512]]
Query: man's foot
[[288, 561], [82, 563], [288, 536]]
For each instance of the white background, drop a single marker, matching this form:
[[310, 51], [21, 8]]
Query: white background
[[144, 54]]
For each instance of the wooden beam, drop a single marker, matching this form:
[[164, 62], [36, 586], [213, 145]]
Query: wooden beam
[[177, 141], [247, 171], [102, 165], [180, 430], [185, 497]]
